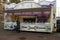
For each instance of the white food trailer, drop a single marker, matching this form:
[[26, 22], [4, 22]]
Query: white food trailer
[[32, 18]]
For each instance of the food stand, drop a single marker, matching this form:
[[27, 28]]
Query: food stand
[[32, 19]]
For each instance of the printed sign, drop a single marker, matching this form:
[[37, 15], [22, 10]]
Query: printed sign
[[10, 13], [36, 12], [28, 13], [17, 13], [46, 12]]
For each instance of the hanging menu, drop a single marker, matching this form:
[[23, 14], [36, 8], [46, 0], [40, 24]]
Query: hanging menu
[[27, 13], [10, 13], [46, 12], [17, 13], [36, 12]]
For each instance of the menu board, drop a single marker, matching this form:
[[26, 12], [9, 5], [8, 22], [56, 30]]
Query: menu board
[[10, 13], [17, 13], [27, 13], [46, 12], [36, 12]]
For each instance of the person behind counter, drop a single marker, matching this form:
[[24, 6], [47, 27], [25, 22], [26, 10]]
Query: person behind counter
[[18, 25]]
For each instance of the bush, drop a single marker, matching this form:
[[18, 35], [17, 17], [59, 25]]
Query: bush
[[15, 1]]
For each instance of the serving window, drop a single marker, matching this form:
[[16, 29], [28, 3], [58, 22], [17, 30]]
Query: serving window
[[29, 20]]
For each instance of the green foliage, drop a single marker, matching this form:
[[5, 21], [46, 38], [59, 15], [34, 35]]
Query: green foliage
[[15, 1]]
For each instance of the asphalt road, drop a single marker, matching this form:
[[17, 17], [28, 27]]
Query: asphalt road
[[11, 35]]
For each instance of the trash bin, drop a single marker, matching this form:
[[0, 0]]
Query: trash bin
[[58, 25]]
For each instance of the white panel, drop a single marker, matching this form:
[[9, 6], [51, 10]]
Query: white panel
[[34, 5], [18, 6], [35, 27], [57, 3], [50, 0], [26, 5], [58, 12], [45, 3], [10, 6], [36, 1]]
